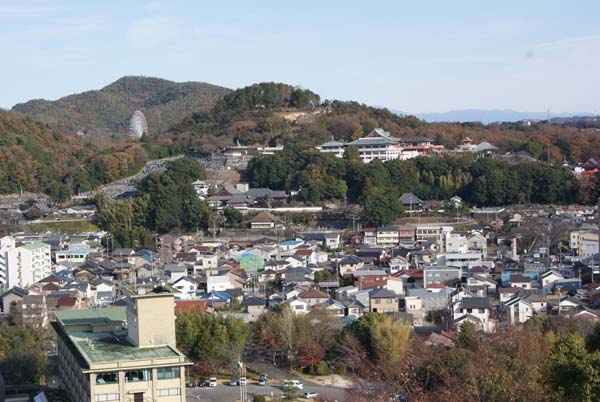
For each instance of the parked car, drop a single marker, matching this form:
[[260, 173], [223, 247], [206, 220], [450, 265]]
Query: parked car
[[233, 382], [202, 382], [212, 382], [293, 384], [263, 379], [310, 395], [190, 384], [243, 381]]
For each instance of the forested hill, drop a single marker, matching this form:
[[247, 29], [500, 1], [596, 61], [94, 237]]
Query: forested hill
[[272, 113], [275, 113], [109, 109], [36, 158]]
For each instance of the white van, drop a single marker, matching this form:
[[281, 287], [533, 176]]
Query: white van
[[293, 383]]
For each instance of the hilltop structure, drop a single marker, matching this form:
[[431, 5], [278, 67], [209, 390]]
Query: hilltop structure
[[380, 144]]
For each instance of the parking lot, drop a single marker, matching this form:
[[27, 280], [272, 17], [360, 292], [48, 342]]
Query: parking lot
[[227, 393]]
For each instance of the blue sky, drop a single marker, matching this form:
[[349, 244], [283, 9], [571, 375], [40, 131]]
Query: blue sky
[[415, 56]]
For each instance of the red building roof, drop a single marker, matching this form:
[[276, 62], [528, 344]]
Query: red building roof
[[186, 306]]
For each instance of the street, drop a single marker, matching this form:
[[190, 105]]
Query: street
[[226, 393]]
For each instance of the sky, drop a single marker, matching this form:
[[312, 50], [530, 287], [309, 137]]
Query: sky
[[413, 56]]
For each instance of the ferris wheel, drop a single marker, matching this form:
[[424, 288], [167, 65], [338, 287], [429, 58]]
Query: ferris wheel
[[137, 125]]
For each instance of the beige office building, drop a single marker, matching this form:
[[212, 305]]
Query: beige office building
[[122, 354]]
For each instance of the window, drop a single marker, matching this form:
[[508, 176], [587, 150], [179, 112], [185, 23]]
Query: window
[[107, 397], [165, 373], [169, 391], [481, 311], [138, 375], [377, 301], [107, 378]]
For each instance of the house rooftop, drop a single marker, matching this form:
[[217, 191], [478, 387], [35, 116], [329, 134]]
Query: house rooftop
[[382, 294], [313, 294], [475, 302]]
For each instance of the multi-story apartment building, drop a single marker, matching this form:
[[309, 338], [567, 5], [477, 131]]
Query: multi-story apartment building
[[124, 354], [456, 243], [7, 243], [23, 265], [433, 233], [387, 236]]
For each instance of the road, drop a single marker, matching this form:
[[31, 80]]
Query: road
[[226, 393]]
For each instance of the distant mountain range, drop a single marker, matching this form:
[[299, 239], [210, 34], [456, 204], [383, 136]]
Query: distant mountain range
[[489, 116], [109, 109]]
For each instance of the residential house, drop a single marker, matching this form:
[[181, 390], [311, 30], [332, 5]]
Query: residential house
[[254, 306], [349, 264], [354, 308], [414, 306], [298, 306], [520, 281], [383, 301], [267, 197], [476, 310], [276, 265], [507, 294], [395, 283], [313, 297], [479, 280], [262, 221], [326, 239], [411, 202], [219, 283], [175, 272], [518, 310], [376, 254], [185, 288], [548, 278], [333, 307], [368, 279]]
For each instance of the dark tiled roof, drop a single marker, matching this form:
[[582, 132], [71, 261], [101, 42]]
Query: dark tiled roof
[[475, 302]]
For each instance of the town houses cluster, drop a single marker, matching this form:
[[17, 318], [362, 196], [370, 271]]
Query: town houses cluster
[[408, 271]]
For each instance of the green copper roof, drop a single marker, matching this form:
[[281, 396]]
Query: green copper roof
[[35, 245]]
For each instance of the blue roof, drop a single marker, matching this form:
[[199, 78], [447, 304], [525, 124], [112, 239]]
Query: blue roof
[[292, 242], [216, 295]]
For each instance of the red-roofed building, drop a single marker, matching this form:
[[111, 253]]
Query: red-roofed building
[[186, 306], [66, 303], [313, 296]]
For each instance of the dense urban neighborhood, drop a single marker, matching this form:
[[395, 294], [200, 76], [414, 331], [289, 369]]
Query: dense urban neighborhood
[[260, 289]]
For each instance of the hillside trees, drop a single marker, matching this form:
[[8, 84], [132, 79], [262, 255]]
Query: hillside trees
[[164, 202], [483, 182], [21, 355], [216, 342]]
